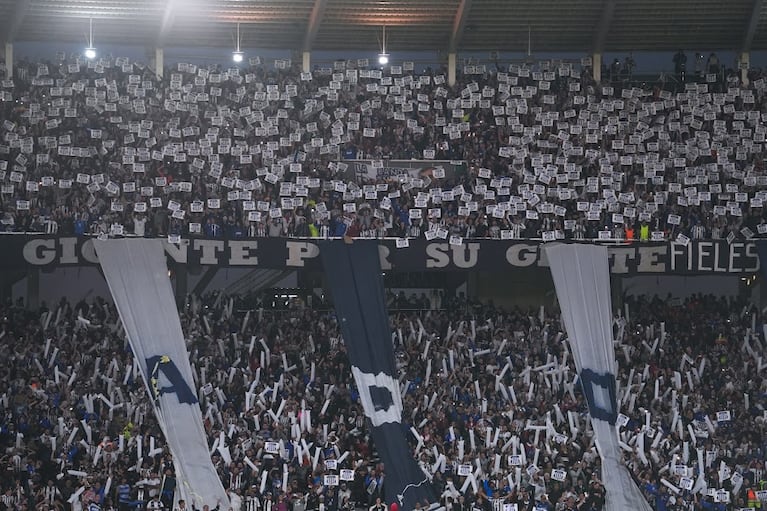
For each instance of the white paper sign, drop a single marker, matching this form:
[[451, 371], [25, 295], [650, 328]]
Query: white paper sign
[[464, 470], [722, 496], [622, 420]]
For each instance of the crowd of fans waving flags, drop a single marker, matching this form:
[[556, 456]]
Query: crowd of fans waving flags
[[491, 405]]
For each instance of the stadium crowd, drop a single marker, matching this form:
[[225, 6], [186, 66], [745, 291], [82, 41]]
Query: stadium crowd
[[104, 146], [486, 391]]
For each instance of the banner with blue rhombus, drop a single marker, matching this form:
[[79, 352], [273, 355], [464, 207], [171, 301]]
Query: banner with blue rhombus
[[136, 271], [582, 281], [353, 273]]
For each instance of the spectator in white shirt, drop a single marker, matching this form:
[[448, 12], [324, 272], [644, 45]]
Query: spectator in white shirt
[[139, 225]]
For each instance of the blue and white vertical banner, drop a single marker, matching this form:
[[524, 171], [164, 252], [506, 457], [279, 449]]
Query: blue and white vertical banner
[[582, 279], [137, 274], [353, 273]]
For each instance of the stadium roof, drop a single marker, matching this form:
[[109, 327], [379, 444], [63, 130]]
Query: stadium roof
[[412, 25]]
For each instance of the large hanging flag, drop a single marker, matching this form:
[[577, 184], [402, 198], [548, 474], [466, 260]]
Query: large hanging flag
[[137, 274], [582, 280], [353, 272]]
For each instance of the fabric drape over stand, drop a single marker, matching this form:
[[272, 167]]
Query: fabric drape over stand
[[354, 276], [137, 275], [582, 280]]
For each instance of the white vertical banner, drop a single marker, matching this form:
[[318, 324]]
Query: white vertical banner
[[137, 275], [582, 279]]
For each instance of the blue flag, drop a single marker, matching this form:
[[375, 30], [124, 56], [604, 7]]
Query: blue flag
[[354, 277]]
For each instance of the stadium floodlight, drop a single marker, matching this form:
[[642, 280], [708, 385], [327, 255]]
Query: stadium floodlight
[[237, 55], [90, 51], [383, 57]]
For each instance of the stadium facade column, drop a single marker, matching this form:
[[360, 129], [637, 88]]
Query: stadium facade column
[[9, 59], [744, 62], [159, 62], [451, 57], [306, 64], [596, 66]]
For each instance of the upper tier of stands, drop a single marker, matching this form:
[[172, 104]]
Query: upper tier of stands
[[104, 146]]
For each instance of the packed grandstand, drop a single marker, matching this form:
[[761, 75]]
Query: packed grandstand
[[482, 386], [493, 407], [535, 150]]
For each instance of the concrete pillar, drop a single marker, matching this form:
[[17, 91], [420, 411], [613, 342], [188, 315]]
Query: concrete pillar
[[159, 62], [596, 67], [451, 57], [9, 60], [744, 61], [307, 62]]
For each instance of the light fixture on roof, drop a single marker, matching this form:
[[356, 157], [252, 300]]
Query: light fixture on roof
[[238, 55], [383, 57], [90, 51]]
